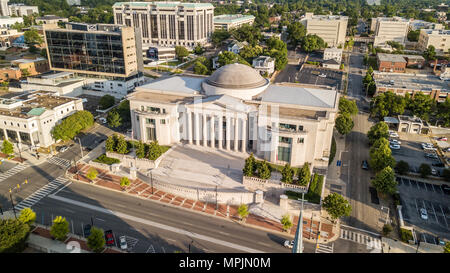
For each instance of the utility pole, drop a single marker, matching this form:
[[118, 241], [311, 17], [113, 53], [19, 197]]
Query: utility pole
[[298, 241], [81, 147], [12, 203], [151, 180], [20, 153], [217, 204]]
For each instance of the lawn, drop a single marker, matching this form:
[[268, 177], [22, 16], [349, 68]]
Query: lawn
[[171, 63], [106, 160], [314, 191]]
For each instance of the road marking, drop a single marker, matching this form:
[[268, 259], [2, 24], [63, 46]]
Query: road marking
[[63, 187], [151, 248], [157, 225], [445, 220], [224, 233], [172, 240], [68, 210], [264, 244], [363, 230], [100, 219], [434, 212]]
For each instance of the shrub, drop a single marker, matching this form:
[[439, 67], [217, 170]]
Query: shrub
[[27, 216], [122, 146], [124, 182], [249, 167], [315, 189], [106, 101], [96, 241], [140, 150], [154, 150], [13, 236], [402, 167], [387, 228], [7, 147], [332, 150], [304, 175], [286, 222], [106, 160], [425, 170], [243, 211], [287, 174], [111, 142], [60, 228], [92, 174], [405, 235], [264, 170]]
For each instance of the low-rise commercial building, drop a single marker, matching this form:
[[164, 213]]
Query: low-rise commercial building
[[7, 37], [402, 84], [58, 83], [51, 20], [264, 64], [440, 39], [230, 21], [22, 10], [398, 62], [7, 22], [389, 29], [331, 28], [10, 73], [29, 119], [31, 66], [333, 53]]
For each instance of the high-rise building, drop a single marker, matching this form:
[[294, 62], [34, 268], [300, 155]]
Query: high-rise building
[[389, 29], [102, 51], [22, 10], [167, 23], [331, 28], [4, 9]]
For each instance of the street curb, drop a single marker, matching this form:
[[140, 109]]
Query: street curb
[[191, 210]]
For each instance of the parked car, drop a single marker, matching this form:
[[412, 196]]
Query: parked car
[[434, 172], [123, 243], [63, 149], [87, 230], [365, 165], [440, 164], [423, 214], [102, 120], [433, 156], [109, 237], [394, 146], [393, 134], [395, 141], [427, 145], [440, 241], [445, 189], [322, 75], [442, 139]]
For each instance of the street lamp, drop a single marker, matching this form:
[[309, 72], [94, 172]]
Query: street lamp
[[20, 153], [81, 147], [12, 203], [190, 245]]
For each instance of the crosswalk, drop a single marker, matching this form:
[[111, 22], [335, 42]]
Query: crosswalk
[[59, 161], [131, 242], [41, 193], [16, 169], [369, 241], [321, 248]]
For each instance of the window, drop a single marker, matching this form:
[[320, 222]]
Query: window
[[163, 121], [301, 140], [284, 154], [150, 121], [142, 108], [290, 127], [137, 118], [300, 128], [287, 140]]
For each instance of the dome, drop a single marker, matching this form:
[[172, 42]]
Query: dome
[[236, 76]]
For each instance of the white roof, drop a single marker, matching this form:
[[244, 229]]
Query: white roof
[[177, 84]]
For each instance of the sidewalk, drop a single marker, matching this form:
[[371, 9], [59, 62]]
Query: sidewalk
[[141, 189], [26, 154]]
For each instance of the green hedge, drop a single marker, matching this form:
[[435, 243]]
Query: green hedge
[[405, 235], [106, 160], [315, 189], [333, 150], [13, 236]]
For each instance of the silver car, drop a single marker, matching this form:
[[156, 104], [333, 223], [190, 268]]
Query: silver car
[[423, 214], [123, 243]]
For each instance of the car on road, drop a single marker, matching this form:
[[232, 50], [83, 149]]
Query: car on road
[[87, 230], [442, 139], [394, 146], [365, 165], [123, 243], [395, 141], [290, 244], [423, 214], [63, 149], [109, 237], [322, 75], [393, 134]]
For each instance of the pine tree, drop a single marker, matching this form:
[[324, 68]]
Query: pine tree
[[304, 175], [140, 150], [287, 174], [110, 143], [121, 147], [264, 170], [249, 168]]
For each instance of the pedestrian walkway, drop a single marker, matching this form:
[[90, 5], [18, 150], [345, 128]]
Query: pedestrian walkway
[[41, 193], [321, 248], [59, 161], [360, 238], [16, 169]]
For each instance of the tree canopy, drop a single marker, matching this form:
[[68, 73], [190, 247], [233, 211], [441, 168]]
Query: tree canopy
[[336, 205], [106, 101], [13, 235], [228, 57], [60, 228], [312, 42], [377, 131], [381, 155], [181, 52], [72, 125], [387, 104], [422, 105], [384, 181], [296, 32]]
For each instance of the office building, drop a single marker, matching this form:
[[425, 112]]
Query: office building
[[22, 10], [51, 19], [398, 62], [7, 21], [389, 29], [109, 53], [333, 53], [330, 28], [236, 109], [167, 23], [230, 21], [440, 39], [29, 119], [4, 9]]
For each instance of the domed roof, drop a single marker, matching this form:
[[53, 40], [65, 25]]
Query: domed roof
[[236, 76]]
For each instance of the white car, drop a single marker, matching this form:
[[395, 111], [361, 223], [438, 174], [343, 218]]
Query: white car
[[102, 120], [394, 146], [434, 172], [322, 75], [427, 145], [123, 243], [423, 214], [394, 141], [393, 134], [63, 149], [289, 244]]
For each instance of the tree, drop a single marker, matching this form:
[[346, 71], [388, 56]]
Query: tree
[[341, 67], [377, 131], [388, 104], [124, 182], [247, 33], [60, 228], [124, 110], [7, 148], [424, 170], [430, 53], [181, 52], [200, 68], [347, 106], [13, 235], [287, 174], [198, 49], [106, 101], [370, 70], [27, 216], [286, 222], [336, 205], [443, 112], [312, 42], [96, 241], [249, 52], [422, 105], [243, 211], [387, 228], [72, 125], [413, 35], [296, 32], [264, 170], [140, 150], [32, 37], [92, 174], [218, 36], [381, 155], [121, 147], [154, 150], [402, 167], [385, 182], [228, 57], [114, 119], [249, 167], [304, 175], [344, 124], [447, 247], [110, 143], [25, 72]]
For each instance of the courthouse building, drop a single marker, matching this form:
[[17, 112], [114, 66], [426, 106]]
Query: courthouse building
[[237, 109]]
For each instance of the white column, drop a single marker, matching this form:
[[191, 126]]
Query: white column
[[188, 127], [205, 136], [236, 134], [244, 135], [228, 133], [220, 138], [5, 134], [213, 137], [197, 128]]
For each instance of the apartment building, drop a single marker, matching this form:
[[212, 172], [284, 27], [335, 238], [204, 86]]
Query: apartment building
[[167, 23], [230, 21], [51, 19], [389, 29], [4, 9], [440, 39], [28, 119], [331, 28], [22, 10], [109, 53], [7, 21]]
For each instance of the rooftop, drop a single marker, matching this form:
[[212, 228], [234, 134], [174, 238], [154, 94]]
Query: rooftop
[[396, 58], [178, 84], [325, 17], [411, 81], [50, 17], [26, 61], [437, 31], [231, 18], [164, 4]]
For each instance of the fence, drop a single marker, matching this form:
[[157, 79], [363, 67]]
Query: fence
[[268, 184]]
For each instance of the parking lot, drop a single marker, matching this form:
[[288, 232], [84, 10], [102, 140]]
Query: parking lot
[[416, 194], [310, 75], [91, 104]]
